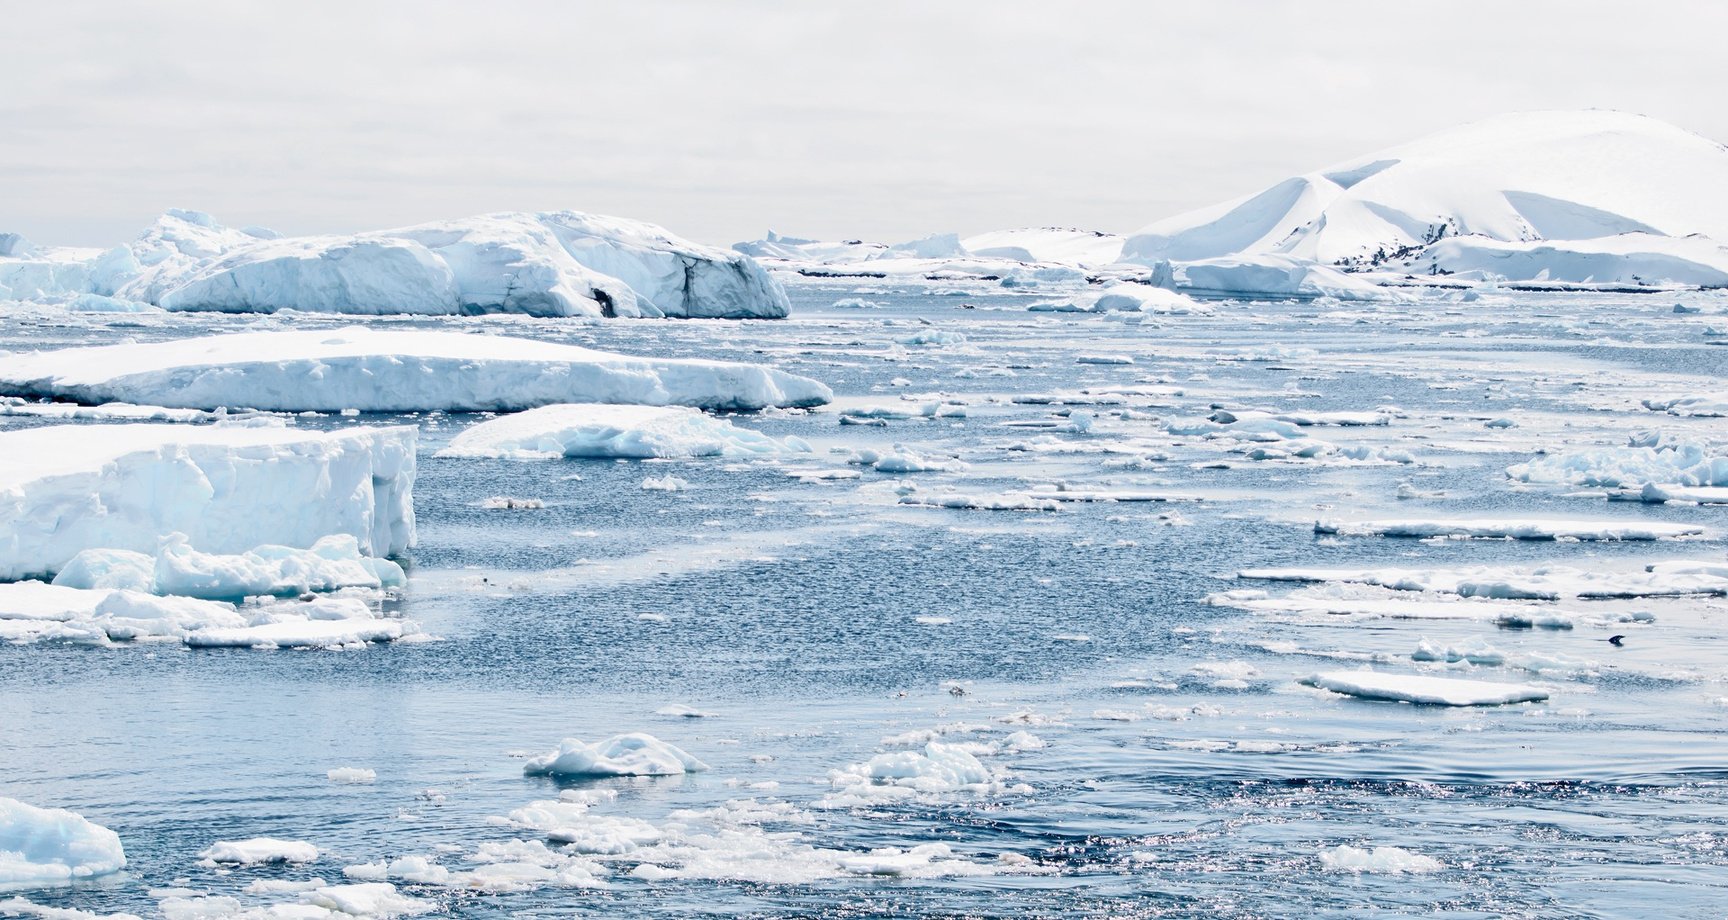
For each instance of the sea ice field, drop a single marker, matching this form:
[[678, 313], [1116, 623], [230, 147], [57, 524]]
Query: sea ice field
[[1247, 609]]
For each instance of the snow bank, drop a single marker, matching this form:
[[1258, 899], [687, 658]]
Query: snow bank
[[562, 263], [41, 847], [66, 489], [1432, 691], [375, 370], [593, 430], [332, 563], [1391, 860], [1512, 529], [259, 851], [634, 754]]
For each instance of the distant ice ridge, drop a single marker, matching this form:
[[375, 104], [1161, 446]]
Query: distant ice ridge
[[45, 847], [550, 263], [634, 432], [1520, 179], [373, 370], [69, 488]]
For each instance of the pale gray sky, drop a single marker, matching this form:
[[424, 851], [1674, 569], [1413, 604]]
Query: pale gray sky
[[884, 120]]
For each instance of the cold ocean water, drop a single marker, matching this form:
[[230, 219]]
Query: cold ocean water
[[1149, 753]]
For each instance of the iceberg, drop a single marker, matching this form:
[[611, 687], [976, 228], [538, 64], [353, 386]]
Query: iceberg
[[556, 263], [45, 847], [65, 489], [633, 432], [373, 370]]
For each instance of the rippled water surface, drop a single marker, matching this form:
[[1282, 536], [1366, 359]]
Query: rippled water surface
[[1171, 763]]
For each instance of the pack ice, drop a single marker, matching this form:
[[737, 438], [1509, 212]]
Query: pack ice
[[43, 847], [65, 489], [562, 263], [374, 370]]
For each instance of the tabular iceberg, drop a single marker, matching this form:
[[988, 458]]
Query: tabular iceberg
[[69, 488], [375, 370], [562, 263]]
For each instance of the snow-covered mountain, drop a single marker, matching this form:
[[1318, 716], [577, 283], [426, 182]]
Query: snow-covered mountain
[[1510, 184], [561, 263]]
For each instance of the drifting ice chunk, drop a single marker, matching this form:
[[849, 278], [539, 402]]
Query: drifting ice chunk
[[634, 754], [352, 776], [1433, 691], [1393, 860], [1515, 530], [259, 851], [65, 489], [593, 430], [392, 371], [42, 847]]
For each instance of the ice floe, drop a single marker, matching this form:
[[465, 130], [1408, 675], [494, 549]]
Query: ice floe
[[257, 851], [1512, 529], [593, 430], [1431, 691], [391, 370]]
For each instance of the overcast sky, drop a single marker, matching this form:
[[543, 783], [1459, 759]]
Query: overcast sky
[[720, 120]]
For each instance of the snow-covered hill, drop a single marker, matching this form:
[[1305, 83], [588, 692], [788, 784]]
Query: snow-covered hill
[[1520, 180], [561, 263]]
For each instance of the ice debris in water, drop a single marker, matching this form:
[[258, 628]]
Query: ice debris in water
[[259, 851], [352, 776], [1392, 860], [45, 847], [634, 754]]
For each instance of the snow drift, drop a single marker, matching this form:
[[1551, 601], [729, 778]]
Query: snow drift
[[391, 371], [69, 488], [557, 263]]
